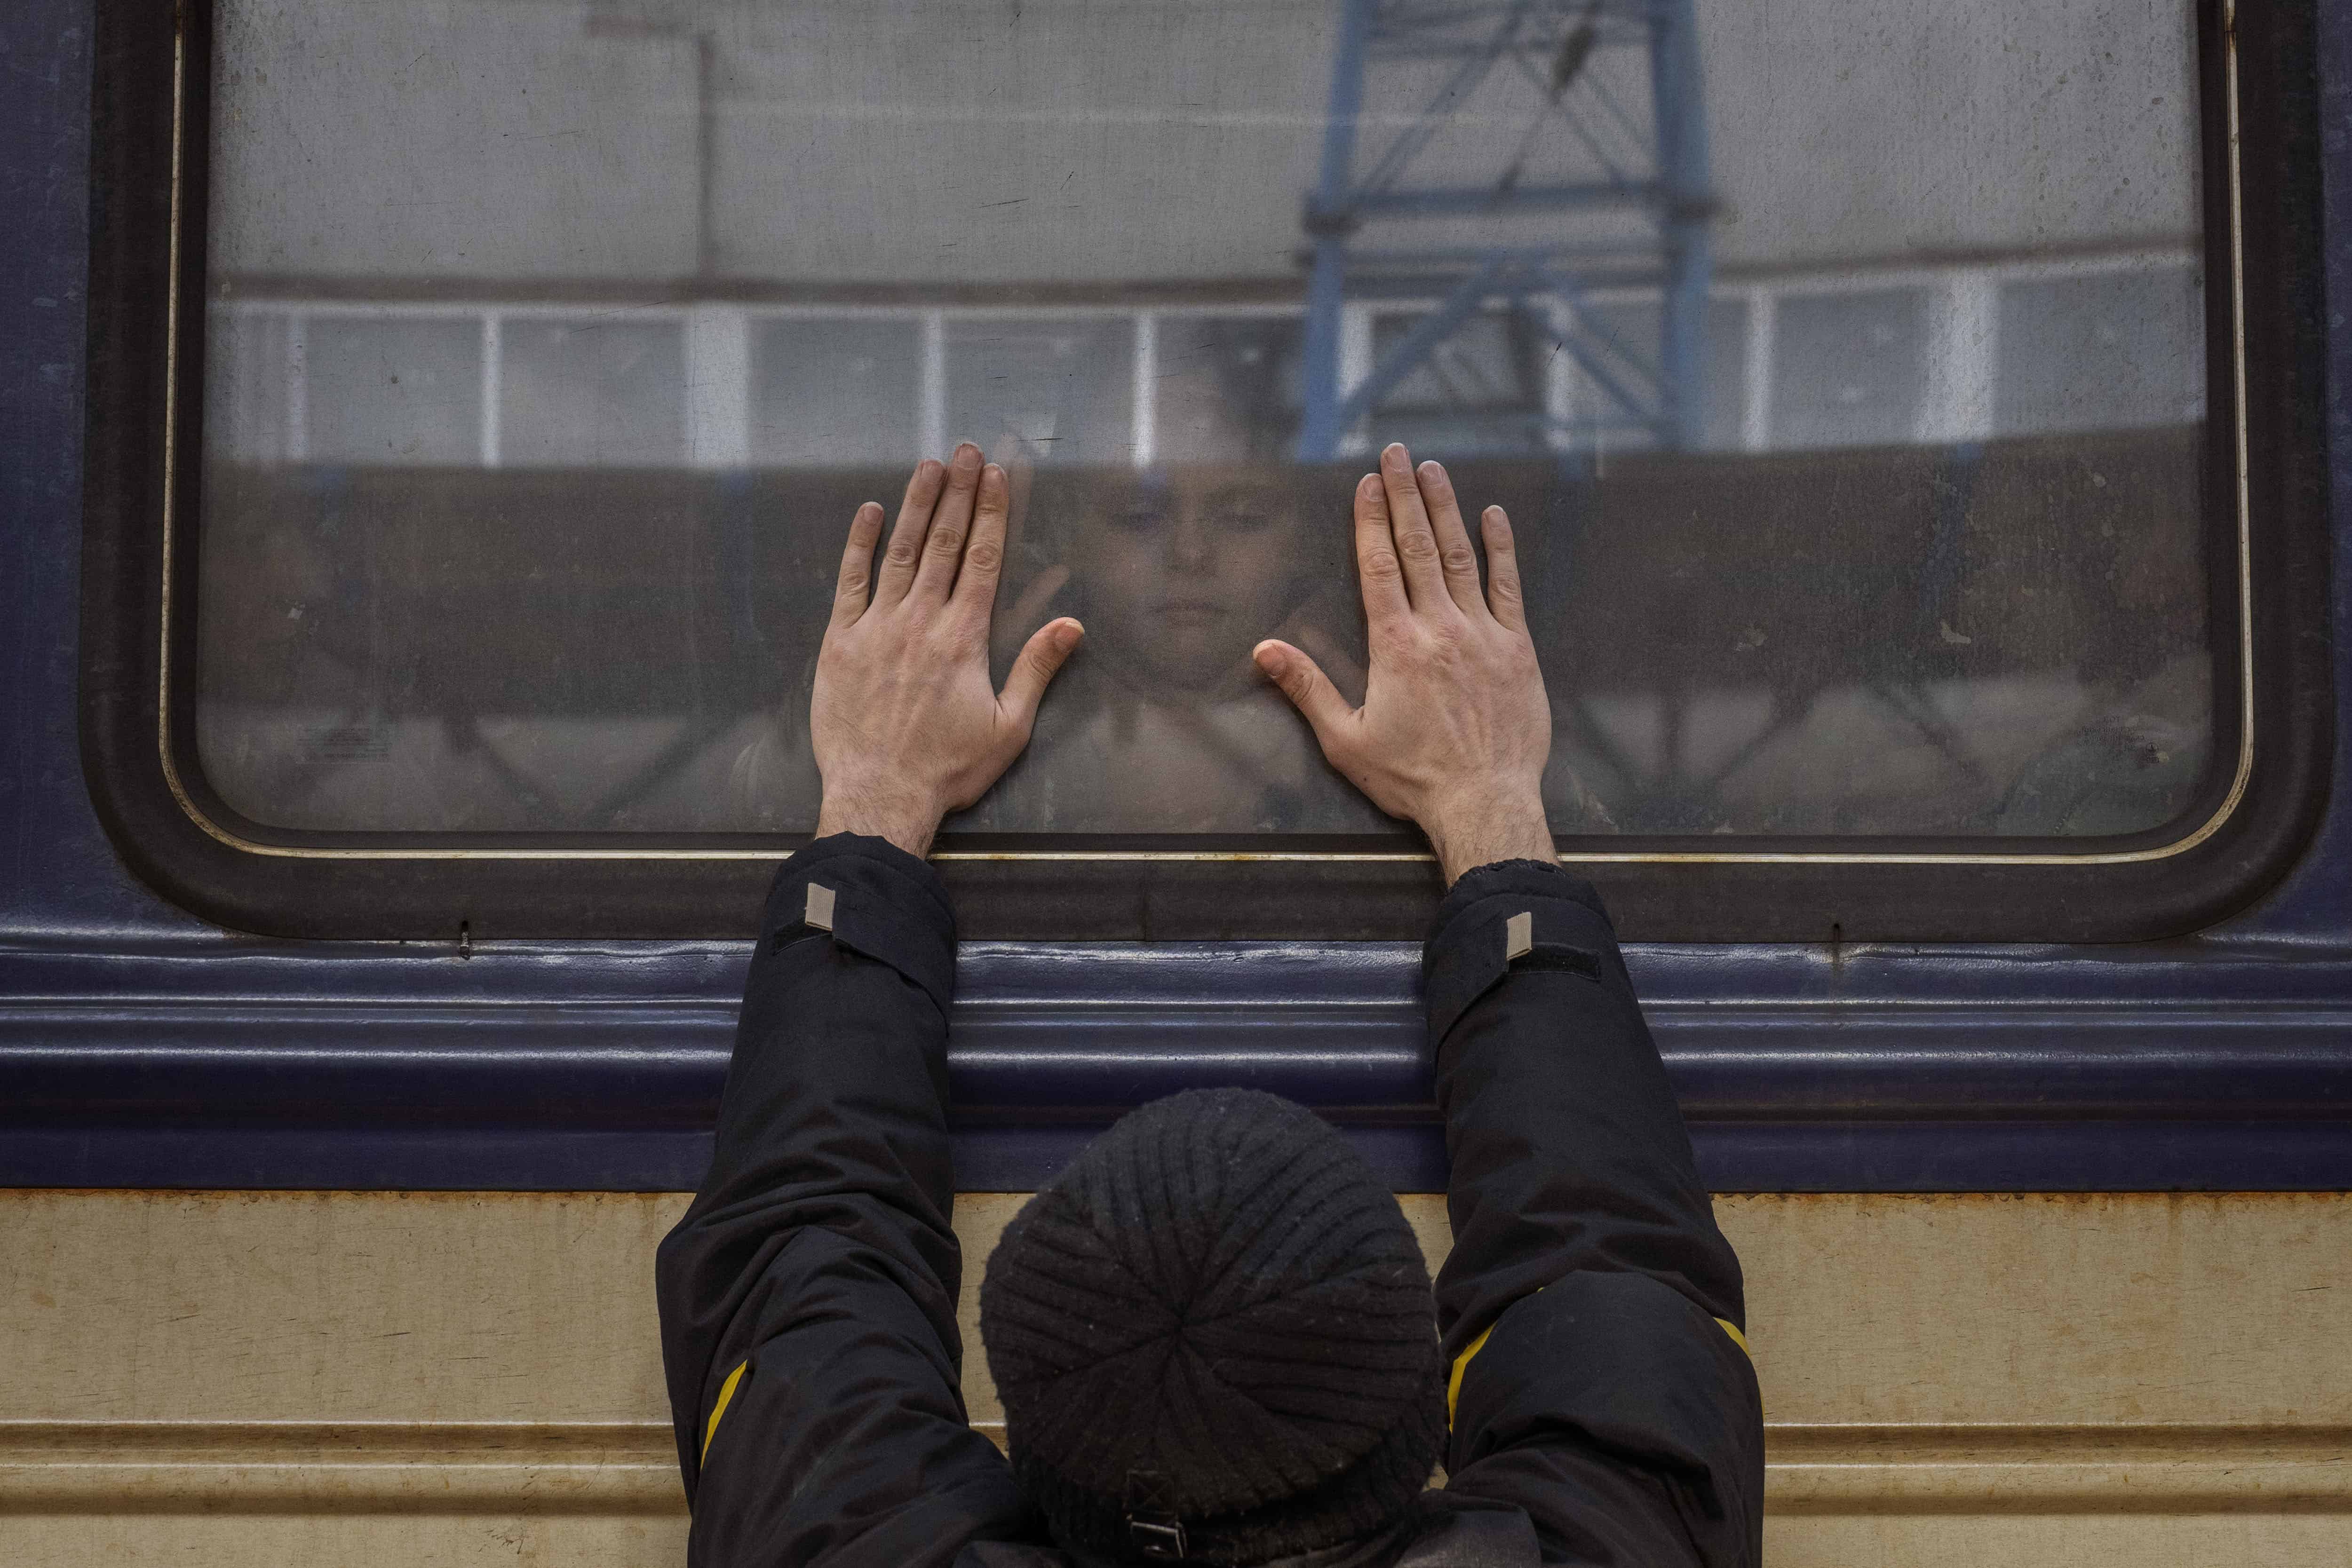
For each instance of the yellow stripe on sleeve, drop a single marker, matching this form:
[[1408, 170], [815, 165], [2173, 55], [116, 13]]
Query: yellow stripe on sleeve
[[1462, 1362], [726, 1392]]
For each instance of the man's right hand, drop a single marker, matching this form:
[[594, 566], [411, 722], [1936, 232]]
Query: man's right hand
[[1455, 728], [903, 720]]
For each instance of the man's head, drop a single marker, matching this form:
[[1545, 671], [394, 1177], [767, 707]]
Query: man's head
[[1215, 1339]]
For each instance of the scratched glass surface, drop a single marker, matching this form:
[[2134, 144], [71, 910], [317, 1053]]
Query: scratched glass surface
[[1842, 366]]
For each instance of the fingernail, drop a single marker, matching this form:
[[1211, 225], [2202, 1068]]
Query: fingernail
[[1368, 485], [961, 461], [1394, 457], [1431, 470]]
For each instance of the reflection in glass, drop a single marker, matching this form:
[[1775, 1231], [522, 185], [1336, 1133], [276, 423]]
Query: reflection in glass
[[1225, 389], [834, 392], [1848, 399], [592, 392], [251, 385], [2117, 350], [1849, 369], [391, 389], [1481, 389], [1634, 324], [1064, 388]]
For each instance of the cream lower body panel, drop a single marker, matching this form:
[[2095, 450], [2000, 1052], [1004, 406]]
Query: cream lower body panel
[[295, 1541], [251, 1379]]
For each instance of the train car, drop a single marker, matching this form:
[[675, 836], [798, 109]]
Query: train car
[[430, 433]]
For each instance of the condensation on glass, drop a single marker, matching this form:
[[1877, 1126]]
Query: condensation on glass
[[1842, 366]]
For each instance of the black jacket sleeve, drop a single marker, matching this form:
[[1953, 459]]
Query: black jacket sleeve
[[1590, 1304], [811, 1287]]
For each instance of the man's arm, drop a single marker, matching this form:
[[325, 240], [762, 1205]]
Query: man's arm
[[1590, 1309], [808, 1296]]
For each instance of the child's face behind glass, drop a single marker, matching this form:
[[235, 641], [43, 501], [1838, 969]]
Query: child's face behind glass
[[1185, 571]]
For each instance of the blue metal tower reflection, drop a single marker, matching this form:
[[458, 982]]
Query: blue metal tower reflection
[[1596, 189]]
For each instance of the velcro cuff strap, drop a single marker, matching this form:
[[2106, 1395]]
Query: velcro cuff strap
[[873, 900], [876, 929], [1509, 930]]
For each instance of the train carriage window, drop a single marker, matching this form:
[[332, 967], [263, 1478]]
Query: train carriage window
[[1849, 371]]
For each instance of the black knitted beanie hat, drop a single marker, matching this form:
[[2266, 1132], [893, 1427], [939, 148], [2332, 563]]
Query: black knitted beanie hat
[[1214, 1339]]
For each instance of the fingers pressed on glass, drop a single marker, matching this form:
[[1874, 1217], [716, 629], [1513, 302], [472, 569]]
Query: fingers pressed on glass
[[1040, 660], [1345, 669], [897, 573], [857, 564], [1454, 556], [1503, 569], [1376, 556], [983, 554], [1304, 684], [1416, 543], [942, 552]]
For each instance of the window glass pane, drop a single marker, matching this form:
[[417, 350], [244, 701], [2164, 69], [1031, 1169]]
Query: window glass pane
[[1225, 389], [1060, 389], [835, 392], [1841, 366], [2110, 351], [586, 392], [248, 358], [391, 389], [1610, 348], [1480, 388], [1849, 369]]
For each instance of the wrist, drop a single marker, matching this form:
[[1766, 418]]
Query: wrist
[[1469, 833], [908, 823]]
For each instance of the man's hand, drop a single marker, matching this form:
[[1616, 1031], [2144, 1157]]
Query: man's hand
[[1455, 728], [903, 720]]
